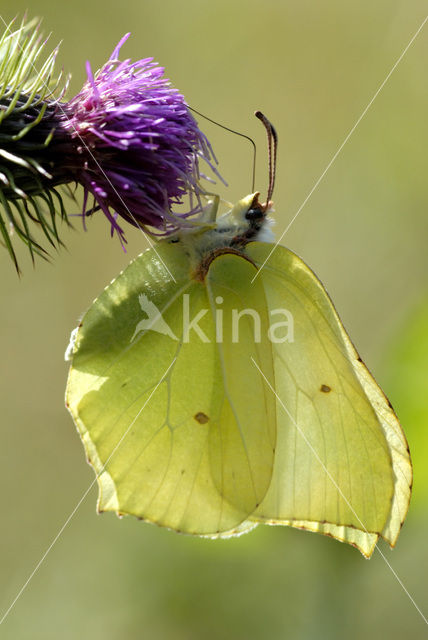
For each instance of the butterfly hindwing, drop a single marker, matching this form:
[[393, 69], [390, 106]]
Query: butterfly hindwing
[[174, 425]]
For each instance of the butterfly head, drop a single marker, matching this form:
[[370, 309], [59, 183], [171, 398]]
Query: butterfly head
[[252, 216], [248, 220]]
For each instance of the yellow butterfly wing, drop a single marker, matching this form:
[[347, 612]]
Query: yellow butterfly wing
[[342, 464], [179, 429]]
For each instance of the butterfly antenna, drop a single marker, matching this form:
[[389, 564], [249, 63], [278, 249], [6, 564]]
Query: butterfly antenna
[[238, 133], [272, 137]]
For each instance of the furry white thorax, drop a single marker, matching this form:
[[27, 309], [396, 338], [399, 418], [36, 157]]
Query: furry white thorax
[[266, 233]]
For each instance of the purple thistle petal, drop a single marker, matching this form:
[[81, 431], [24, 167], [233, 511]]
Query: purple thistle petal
[[115, 54]]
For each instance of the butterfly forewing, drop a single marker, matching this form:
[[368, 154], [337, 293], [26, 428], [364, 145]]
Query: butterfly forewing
[[335, 469]]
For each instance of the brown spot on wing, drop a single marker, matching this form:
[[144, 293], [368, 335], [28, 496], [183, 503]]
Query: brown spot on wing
[[325, 388], [201, 417]]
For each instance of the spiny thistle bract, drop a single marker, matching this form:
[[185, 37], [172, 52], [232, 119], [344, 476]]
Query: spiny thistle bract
[[29, 172], [127, 137]]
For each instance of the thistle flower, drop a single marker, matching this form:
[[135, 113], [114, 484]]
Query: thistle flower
[[128, 138], [137, 144]]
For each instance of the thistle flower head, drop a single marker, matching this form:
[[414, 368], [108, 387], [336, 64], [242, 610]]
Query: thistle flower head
[[137, 147], [128, 138]]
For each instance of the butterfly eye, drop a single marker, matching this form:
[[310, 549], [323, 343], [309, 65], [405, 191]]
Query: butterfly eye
[[254, 214]]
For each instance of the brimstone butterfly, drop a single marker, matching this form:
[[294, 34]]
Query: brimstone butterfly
[[230, 395]]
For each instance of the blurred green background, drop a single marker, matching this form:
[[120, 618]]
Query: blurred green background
[[312, 67]]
